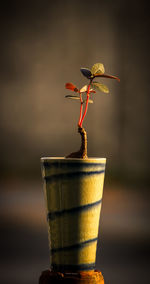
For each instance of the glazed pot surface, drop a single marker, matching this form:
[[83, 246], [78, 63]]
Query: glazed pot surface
[[73, 192]]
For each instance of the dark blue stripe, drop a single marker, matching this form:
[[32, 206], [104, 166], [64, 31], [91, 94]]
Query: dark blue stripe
[[55, 214], [72, 175], [74, 164], [72, 247], [73, 268]]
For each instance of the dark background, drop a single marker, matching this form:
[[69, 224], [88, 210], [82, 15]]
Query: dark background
[[43, 44]]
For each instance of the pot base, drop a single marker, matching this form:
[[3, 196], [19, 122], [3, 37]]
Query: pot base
[[85, 277]]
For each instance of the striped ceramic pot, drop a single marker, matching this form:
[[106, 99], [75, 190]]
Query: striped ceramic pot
[[73, 192]]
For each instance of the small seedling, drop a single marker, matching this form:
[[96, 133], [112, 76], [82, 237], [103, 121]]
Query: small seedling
[[83, 95]]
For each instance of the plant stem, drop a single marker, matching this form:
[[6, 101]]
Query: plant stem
[[83, 149], [82, 153], [81, 108], [86, 107]]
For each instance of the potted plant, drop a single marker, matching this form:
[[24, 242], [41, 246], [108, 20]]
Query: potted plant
[[73, 187]]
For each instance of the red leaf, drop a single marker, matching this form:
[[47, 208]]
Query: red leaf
[[71, 87], [107, 76]]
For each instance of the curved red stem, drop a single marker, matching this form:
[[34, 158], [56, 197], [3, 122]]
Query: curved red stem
[[81, 108], [86, 107]]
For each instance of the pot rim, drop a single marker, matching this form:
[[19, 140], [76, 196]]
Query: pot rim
[[92, 159]]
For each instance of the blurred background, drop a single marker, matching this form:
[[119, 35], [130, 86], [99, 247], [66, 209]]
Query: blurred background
[[43, 44]]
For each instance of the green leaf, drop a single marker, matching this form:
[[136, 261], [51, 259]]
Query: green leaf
[[90, 101], [98, 68], [83, 89], [72, 97], [86, 72], [100, 87]]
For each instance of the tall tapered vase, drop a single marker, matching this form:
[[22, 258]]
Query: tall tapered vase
[[73, 191]]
